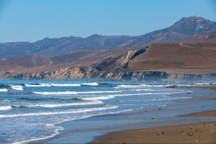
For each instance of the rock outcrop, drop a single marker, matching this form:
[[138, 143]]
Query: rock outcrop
[[92, 73]]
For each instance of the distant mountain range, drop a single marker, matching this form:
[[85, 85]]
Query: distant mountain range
[[181, 30]]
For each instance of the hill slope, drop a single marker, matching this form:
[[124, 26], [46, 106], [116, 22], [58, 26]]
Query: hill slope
[[176, 56], [208, 37], [182, 29], [23, 63]]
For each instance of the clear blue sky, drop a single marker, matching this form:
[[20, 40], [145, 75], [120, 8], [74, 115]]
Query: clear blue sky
[[32, 20]]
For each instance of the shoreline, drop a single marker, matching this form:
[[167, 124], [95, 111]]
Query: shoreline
[[204, 132], [213, 86], [69, 133]]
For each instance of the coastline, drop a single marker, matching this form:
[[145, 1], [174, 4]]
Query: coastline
[[203, 132], [190, 133], [213, 86], [102, 125]]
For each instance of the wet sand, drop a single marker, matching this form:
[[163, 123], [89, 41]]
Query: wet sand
[[202, 86], [190, 133]]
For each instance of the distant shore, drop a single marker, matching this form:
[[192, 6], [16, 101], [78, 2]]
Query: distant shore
[[190, 133]]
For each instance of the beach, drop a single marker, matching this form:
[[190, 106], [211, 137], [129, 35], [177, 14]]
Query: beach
[[149, 124], [82, 112], [192, 133], [204, 132]]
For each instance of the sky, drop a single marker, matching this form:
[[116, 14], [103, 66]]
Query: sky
[[33, 20]]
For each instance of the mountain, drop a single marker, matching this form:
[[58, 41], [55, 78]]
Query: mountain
[[208, 37], [182, 29], [35, 63]]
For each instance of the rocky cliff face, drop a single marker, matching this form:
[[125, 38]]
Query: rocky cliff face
[[92, 73], [120, 62]]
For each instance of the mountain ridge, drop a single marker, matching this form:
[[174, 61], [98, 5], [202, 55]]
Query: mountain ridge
[[46, 47]]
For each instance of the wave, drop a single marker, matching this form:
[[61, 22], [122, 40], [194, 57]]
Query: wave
[[144, 90], [56, 132], [3, 90], [57, 105], [16, 87], [117, 95], [37, 85], [98, 98], [65, 84], [92, 84], [155, 99], [63, 112], [140, 85], [73, 92], [5, 107], [99, 92], [55, 93]]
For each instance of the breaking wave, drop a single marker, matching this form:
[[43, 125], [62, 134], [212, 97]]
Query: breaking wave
[[155, 99], [5, 107], [136, 86], [59, 85], [3, 90], [57, 105], [73, 92], [92, 84], [37, 85], [63, 112], [65, 84], [16, 87]]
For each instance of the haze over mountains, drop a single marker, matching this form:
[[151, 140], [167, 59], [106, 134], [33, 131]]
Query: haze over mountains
[[182, 29]]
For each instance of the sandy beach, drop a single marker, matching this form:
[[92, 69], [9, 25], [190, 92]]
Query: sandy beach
[[189, 119], [191, 133], [204, 132]]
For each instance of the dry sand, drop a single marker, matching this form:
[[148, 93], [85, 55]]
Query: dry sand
[[191, 133]]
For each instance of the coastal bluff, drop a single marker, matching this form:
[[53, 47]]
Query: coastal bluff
[[92, 73]]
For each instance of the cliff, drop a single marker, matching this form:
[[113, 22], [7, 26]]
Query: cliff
[[89, 72]]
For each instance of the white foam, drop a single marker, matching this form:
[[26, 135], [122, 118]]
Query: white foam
[[39, 85], [98, 98], [66, 104], [5, 107], [155, 99], [65, 84], [94, 84], [16, 87], [56, 132], [99, 92], [73, 92], [144, 90], [3, 90], [135, 86], [62, 112], [56, 93]]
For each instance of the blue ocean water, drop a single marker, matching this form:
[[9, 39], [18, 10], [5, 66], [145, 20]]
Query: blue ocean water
[[31, 110]]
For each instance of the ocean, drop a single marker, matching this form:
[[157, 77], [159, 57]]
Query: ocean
[[33, 110]]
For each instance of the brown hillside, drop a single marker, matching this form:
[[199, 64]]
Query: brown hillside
[[208, 37], [23, 62], [73, 56], [176, 56]]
